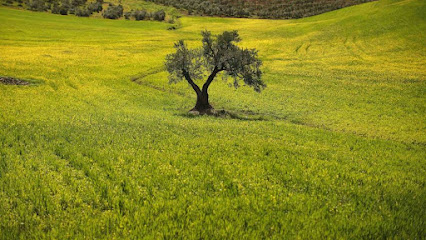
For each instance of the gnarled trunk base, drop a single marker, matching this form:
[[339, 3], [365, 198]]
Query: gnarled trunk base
[[203, 106], [208, 111]]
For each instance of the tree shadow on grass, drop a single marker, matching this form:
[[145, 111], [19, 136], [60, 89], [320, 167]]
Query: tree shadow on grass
[[223, 114]]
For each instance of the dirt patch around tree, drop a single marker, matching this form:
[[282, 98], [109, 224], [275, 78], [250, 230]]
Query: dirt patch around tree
[[13, 81]]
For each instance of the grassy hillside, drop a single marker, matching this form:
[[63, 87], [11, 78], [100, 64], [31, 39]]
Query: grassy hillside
[[333, 148]]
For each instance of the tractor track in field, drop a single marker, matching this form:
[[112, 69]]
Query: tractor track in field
[[139, 80], [354, 48]]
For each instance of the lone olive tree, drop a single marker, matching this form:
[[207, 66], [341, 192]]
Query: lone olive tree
[[218, 54]]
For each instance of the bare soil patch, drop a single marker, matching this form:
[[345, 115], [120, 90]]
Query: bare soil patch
[[12, 81]]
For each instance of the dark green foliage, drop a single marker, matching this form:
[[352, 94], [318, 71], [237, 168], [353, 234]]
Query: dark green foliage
[[63, 10], [159, 15], [37, 5], [113, 12], [83, 8], [184, 62], [82, 12], [76, 3], [95, 7], [63, 7], [140, 15], [127, 15], [241, 64], [218, 54], [18, 3], [55, 8], [283, 9]]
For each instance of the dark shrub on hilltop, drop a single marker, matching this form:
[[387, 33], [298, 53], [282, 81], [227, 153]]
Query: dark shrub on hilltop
[[55, 8], [7, 3], [95, 7], [59, 9], [71, 10], [140, 15], [113, 12], [63, 9], [77, 3], [82, 12], [159, 15], [37, 5], [127, 15]]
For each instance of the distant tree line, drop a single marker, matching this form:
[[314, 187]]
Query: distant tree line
[[80, 8], [274, 9], [139, 15], [115, 12], [83, 8]]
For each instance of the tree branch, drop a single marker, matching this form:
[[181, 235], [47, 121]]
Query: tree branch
[[193, 85], [210, 79]]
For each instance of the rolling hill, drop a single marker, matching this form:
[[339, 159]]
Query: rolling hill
[[334, 147]]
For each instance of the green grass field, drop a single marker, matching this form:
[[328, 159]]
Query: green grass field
[[334, 147]]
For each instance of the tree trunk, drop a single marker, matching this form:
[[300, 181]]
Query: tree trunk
[[203, 106]]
